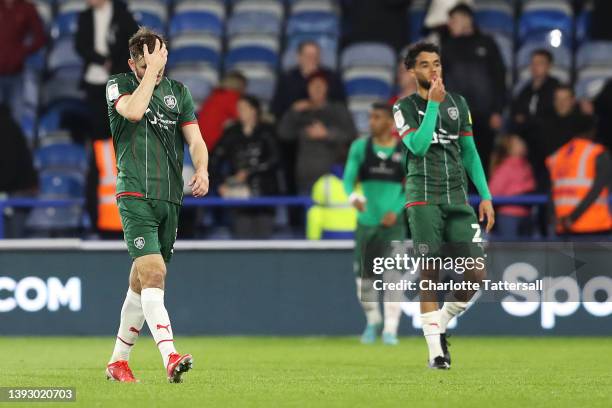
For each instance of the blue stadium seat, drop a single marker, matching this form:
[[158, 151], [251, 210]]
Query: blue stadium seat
[[254, 22], [506, 48], [274, 7], [541, 17], [45, 11], [368, 87], [63, 157], [63, 55], [64, 84], [261, 81], [416, 21], [64, 25], [60, 111], [594, 53], [200, 80], [583, 26], [59, 184], [591, 81], [157, 8], [71, 6], [196, 22], [495, 17], [360, 110], [301, 6], [192, 49], [55, 218], [253, 50], [313, 22], [153, 21], [368, 54], [337, 234]]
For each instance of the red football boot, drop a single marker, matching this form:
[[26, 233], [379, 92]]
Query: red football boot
[[120, 371], [177, 366]]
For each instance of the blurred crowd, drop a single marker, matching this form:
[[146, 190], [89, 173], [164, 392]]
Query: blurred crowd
[[283, 147]]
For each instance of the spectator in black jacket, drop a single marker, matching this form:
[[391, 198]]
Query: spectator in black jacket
[[103, 32], [247, 158], [535, 100], [474, 67], [291, 85]]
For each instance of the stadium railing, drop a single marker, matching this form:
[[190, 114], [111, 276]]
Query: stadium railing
[[276, 201]]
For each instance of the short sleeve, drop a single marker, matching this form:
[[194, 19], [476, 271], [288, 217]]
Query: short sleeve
[[466, 118], [117, 87], [406, 117], [187, 115]]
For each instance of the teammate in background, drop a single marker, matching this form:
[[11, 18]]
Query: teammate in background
[[377, 163], [150, 117], [436, 127]]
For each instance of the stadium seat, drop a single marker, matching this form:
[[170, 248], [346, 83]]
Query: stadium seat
[[253, 50], [71, 6], [594, 53], [360, 110], [495, 17], [65, 24], [199, 79], [50, 219], [274, 7], [368, 54], [60, 184], [157, 8], [189, 49], [150, 20], [590, 81], [416, 19], [61, 157], [506, 48], [254, 22], [301, 6], [313, 22], [365, 85], [583, 25], [196, 22], [45, 11], [261, 81], [541, 17], [63, 55], [65, 84]]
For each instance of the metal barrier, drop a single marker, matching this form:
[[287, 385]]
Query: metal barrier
[[272, 201]]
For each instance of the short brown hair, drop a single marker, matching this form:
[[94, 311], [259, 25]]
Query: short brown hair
[[143, 36]]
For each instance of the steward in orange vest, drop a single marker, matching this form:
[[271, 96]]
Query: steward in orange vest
[[580, 172], [108, 219]]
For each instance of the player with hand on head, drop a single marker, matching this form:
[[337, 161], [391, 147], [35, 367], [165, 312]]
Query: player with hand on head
[[377, 163], [436, 127], [151, 117]]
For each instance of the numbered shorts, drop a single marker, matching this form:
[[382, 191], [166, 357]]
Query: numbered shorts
[[373, 242], [149, 226], [445, 230]]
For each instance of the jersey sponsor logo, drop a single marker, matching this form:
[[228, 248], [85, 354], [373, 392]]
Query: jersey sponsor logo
[[399, 119], [453, 113], [170, 101], [139, 242], [112, 92]]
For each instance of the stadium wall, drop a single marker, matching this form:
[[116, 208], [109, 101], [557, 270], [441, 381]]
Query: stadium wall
[[70, 287]]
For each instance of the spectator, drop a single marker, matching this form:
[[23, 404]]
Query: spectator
[[600, 28], [474, 68], [17, 174], [602, 106], [535, 99], [406, 83], [291, 85], [249, 149], [221, 107], [103, 30], [511, 174], [21, 34], [436, 18], [580, 173], [322, 129], [366, 17]]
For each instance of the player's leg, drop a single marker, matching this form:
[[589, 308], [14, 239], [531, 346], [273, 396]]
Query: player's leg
[[426, 227], [368, 297], [392, 298]]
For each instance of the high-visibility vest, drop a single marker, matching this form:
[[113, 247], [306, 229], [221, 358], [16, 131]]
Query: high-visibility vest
[[572, 173], [332, 215], [108, 212]]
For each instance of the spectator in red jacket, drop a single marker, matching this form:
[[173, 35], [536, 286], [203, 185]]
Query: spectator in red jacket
[[21, 34], [511, 174], [221, 107]]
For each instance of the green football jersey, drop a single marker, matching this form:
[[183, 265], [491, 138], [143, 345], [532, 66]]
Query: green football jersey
[[149, 153], [439, 176]]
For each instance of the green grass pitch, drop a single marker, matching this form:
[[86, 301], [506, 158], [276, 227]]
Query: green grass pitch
[[319, 371]]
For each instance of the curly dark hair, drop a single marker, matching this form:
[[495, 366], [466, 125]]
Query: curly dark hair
[[416, 49]]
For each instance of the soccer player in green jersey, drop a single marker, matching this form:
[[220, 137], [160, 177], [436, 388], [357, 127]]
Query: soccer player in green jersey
[[151, 116], [377, 162], [436, 127]]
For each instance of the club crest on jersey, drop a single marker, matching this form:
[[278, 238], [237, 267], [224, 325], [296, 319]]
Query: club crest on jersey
[[453, 113], [139, 242], [170, 101]]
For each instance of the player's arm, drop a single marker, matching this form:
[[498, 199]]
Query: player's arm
[[133, 107], [351, 170], [199, 156], [418, 139]]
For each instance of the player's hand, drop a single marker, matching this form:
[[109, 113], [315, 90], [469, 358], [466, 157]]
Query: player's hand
[[199, 184], [358, 201], [156, 59], [485, 209], [389, 219], [437, 92]]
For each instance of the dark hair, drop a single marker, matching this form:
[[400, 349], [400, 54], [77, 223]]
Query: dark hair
[[461, 8], [565, 87], [144, 36], [304, 43], [416, 49], [585, 125], [383, 106], [544, 53], [320, 74], [253, 102]]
